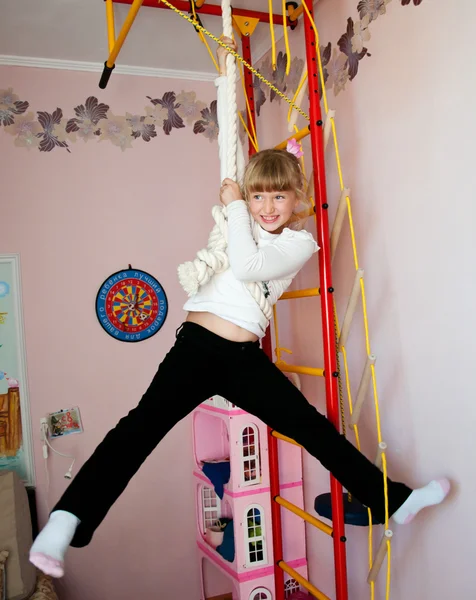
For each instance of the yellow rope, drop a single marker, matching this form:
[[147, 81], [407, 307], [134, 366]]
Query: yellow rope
[[250, 137], [366, 325], [339, 379], [271, 31], [253, 140], [286, 40], [301, 83], [238, 57], [203, 39], [250, 116], [207, 46], [303, 165]]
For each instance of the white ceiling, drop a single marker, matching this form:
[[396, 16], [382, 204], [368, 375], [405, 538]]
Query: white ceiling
[[75, 30]]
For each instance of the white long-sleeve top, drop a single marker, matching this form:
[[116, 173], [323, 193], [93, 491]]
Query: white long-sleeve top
[[273, 261]]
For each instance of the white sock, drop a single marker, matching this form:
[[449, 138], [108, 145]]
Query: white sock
[[49, 548], [433, 493]]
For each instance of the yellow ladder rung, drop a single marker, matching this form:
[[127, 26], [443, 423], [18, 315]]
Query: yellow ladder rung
[[307, 293], [285, 438], [304, 515], [283, 366], [304, 582], [299, 135]]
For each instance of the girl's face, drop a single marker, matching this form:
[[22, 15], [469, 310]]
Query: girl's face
[[272, 210]]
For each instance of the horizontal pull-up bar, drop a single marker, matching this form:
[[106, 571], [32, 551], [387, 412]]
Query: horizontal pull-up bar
[[283, 366], [299, 135], [285, 438], [304, 515], [210, 9], [307, 293], [304, 582]]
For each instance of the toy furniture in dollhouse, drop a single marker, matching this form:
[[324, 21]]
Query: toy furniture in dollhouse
[[233, 502], [10, 422]]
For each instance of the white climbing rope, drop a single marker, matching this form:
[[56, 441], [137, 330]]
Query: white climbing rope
[[231, 89], [214, 258]]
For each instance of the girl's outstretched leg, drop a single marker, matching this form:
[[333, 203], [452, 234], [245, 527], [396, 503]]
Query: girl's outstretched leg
[[264, 391], [183, 381]]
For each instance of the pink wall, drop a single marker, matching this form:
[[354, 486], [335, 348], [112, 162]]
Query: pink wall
[[406, 128], [75, 218]]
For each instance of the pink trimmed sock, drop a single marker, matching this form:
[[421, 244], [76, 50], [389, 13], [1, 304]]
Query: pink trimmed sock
[[49, 548], [433, 493]]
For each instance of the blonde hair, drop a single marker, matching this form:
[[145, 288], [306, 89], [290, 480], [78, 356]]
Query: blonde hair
[[278, 171]]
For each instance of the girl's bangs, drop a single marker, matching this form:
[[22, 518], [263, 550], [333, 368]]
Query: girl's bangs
[[269, 177]]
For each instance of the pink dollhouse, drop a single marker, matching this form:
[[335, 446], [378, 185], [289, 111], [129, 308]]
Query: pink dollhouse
[[233, 501]]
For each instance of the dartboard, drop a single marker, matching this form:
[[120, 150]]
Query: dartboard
[[131, 305]]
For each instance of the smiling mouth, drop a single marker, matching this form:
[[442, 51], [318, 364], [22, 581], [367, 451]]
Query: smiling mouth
[[270, 220]]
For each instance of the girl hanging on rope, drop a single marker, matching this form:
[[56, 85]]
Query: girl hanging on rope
[[255, 251]]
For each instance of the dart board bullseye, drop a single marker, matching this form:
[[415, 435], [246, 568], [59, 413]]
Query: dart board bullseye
[[131, 305]]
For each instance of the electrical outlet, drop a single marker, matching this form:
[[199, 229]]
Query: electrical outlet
[[43, 428]]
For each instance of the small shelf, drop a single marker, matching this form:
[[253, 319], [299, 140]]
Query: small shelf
[[210, 438]]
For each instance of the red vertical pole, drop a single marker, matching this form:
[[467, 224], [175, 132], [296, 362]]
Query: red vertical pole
[[267, 348], [248, 76], [326, 291], [274, 491]]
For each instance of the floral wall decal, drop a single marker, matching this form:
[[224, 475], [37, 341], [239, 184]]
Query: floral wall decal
[[169, 104], [208, 124], [287, 84], [94, 120], [340, 62]]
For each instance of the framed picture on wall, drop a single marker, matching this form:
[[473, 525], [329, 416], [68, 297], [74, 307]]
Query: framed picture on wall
[[15, 422]]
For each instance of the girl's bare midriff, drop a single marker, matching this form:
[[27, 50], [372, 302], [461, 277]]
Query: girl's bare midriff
[[220, 327]]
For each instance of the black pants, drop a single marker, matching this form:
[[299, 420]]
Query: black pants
[[200, 365]]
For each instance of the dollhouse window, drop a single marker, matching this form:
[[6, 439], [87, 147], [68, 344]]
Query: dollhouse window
[[291, 586], [210, 506], [255, 544], [250, 472], [260, 594]]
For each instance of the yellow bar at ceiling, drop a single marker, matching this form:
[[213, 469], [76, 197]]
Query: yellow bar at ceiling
[[304, 515], [299, 135], [283, 366], [285, 438], [304, 582], [307, 293], [131, 15], [111, 34]]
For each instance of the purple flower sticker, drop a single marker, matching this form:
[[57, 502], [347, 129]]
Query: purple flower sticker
[[48, 138], [345, 46], [168, 101], [208, 124]]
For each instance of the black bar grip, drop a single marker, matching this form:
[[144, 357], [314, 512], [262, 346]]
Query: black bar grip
[[106, 74]]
